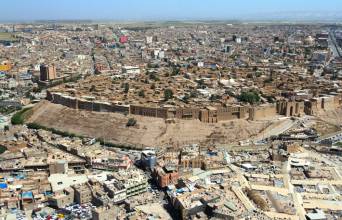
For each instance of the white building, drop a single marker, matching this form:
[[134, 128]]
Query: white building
[[130, 70], [149, 39], [238, 40]]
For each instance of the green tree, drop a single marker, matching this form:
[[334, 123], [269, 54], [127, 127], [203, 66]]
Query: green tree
[[153, 77], [28, 94], [251, 97], [268, 80], [175, 71], [186, 98], [92, 88], [214, 97], [141, 93], [2, 149], [193, 94], [201, 84], [168, 94], [126, 87]]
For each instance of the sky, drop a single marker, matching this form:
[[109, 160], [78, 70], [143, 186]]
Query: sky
[[28, 10]]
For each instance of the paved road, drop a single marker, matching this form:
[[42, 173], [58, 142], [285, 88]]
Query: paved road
[[333, 45], [279, 129]]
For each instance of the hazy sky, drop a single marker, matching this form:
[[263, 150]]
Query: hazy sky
[[163, 9]]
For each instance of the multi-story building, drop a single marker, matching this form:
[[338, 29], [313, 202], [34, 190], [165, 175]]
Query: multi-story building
[[104, 213], [62, 198], [125, 183], [166, 175], [83, 193], [47, 72]]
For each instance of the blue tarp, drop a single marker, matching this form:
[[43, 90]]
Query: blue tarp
[[19, 176], [27, 195], [47, 193], [179, 190], [3, 185], [212, 153]]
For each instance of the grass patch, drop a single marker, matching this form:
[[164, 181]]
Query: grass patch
[[338, 144], [19, 117], [5, 36]]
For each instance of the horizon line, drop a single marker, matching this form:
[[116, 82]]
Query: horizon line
[[252, 20]]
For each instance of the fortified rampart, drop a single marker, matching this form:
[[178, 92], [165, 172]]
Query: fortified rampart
[[316, 105], [207, 114], [290, 108], [262, 112], [84, 104]]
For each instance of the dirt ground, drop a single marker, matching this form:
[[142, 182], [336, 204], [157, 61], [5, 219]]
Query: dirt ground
[[148, 131], [329, 121], [332, 116]]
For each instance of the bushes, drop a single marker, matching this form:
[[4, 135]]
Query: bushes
[[268, 80], [117, 145], [126, 87], [9, 109], [215, 97], [338, 144], [2, 149], [55, 131], [35, 126], [67, 134], [131, 122], [19, 117]]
